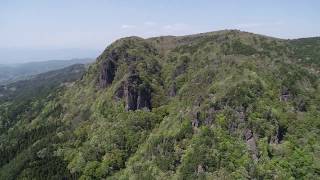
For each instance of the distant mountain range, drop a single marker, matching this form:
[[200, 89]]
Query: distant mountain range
[[14, 72], [41, 84]]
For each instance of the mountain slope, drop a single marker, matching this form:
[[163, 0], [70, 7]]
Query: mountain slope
[[41, 83], [21, 102], [218, 105], [16, 72], [307, 50]]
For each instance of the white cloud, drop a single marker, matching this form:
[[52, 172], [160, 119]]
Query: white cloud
[[127, 26]]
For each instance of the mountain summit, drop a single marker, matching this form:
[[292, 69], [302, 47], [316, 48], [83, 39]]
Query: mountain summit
[[218, 105]]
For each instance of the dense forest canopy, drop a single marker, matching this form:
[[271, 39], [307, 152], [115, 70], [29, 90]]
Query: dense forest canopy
[[219, 105]]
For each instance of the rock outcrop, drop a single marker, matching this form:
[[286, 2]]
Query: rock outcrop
[[173, 90], [144, 97], [136, 93], [279, 135], [128, 53], [251, 144], [107, 73], [196, 121], [108, 69], [285, 94], [211, 113]]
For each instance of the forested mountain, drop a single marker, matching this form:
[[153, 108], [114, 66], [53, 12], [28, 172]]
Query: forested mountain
[[41, 85], [15, 72], [18, 97], [219, 105]]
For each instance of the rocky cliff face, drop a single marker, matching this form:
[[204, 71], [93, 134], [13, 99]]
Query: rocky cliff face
[[107, 73], [129, 55], [137, 93], [251, 144]]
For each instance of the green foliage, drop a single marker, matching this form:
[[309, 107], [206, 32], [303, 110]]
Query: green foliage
[[237, 47], [225, 105], [307, 50]]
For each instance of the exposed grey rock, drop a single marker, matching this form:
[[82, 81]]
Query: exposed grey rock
[[279, 135], [285, 94], [275, 139], [144, 97], [210, 116], [108, 69], [131, 92], [136, 93], [107, 73], [200, 169], [251, 144], [208, 121], [173, 90], [241, 116], [119, 93], [109, 65], [196, 121], [241, 113], [113, 56], [248, 134]]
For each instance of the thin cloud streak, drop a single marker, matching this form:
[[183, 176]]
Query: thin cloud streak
[[127, 26]]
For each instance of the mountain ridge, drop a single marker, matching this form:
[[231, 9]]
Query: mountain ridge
[[14, 72], [224, 104]]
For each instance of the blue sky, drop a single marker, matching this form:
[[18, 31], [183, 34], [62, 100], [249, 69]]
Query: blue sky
[[61, 29]]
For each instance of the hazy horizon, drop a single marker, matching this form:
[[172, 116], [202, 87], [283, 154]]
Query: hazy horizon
[[24, 55], [46, 30]]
